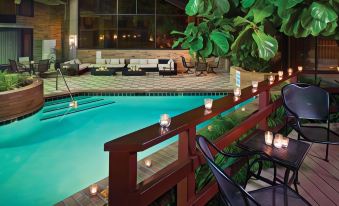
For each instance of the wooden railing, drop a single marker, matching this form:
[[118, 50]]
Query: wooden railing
[[123, 187]]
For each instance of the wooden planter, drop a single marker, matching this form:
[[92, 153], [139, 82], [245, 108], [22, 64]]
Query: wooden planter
[[22, 101]]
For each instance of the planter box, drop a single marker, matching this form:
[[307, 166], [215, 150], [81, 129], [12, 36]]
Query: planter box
[[22, 101], [246, 77]]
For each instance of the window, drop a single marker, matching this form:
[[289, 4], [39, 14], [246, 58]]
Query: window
[[129, 24]]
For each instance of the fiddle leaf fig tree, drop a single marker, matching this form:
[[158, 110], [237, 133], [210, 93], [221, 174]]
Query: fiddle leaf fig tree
[[247, 29]]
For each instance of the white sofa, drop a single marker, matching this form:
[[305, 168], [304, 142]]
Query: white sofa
[[77, 65], [148, 65], [111, 63]]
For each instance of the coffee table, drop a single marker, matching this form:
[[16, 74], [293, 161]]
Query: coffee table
[[291, 157], [127, 72], [108, 72]]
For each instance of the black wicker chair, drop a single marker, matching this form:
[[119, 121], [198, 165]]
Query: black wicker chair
[[233, 194], [312, 103], [14, 67], [43, 66], [188, 67]]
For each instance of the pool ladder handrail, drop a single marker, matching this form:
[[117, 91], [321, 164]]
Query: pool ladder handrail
[[73, 103]]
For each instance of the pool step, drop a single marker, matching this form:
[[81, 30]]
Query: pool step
[[66, 105], [80, 108], [66, 100]]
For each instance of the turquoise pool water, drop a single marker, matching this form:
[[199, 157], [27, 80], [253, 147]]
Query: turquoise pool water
[[43, 162]]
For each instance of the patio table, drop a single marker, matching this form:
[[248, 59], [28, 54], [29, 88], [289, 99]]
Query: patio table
[[291, 157]]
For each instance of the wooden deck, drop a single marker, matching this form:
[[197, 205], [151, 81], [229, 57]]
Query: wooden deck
[[319, 180]]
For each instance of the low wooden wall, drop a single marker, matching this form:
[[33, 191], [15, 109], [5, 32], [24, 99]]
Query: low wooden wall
[[23, 101]]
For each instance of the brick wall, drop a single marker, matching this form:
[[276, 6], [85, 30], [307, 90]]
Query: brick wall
[[47, 23], [90, 55]]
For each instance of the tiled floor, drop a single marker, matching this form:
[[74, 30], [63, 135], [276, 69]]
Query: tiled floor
[[150, 82]]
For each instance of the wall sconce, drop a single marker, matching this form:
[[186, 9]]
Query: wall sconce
[[73, 41]]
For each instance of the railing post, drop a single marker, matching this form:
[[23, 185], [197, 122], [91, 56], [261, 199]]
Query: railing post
[[264, 100], [122, 177], [186, 149]]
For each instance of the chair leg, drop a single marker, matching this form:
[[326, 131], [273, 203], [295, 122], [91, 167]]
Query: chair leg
[[327, 147]]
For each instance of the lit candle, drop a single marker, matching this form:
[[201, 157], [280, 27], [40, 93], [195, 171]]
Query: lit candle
[[268, 137], [284, 142], [280, 74], [255, 86], [271, 79], [290, 71], [148, 162], [278, 141], [93, 189], [237, 93], [338, 69], [165, 120], [300, 68], [208, 103]]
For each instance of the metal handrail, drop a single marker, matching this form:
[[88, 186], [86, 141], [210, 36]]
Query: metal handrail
[[73, 103]]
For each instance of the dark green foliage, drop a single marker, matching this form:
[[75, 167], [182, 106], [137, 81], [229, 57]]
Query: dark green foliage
[[248, 28], [9, 81]]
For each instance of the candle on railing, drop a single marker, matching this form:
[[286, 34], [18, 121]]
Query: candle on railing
[[271, 79], [300, 68], [268, 138], [277, 142], [284, 142], [254, 86], [148, 162], [290, 71], [237, 93], [93, 189], [280, 74], [165, 120], [208, 103], [338, 69]]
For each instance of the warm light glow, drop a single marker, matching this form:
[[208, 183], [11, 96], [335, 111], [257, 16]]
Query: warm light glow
[[300, 68], [124, 36], [237, 93], [73, 41], [115, 36], [271, 79], [277, 142], [290, 71], [208, 103], [148, 162], [338, 69], [284, 142], [165, 120], [134, 36], [73, 104], [268, 138], [93, 189], [255, 86], [101, 37], [210, 128], [151, 38], [128, 35], [32, 62], [243, 109], [280, 74]]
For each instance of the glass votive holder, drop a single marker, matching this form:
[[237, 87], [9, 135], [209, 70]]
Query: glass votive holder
[[268, 138], [277, 142], [165, 120], [300, 68], [338, 69], [237, 93], [280, 74], [208, 103], [284, 142], [93, 189], [290, 71], [254, 86], [148, 162], [271, 79]]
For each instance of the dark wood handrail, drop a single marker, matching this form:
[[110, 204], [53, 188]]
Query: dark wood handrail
[[147, 137], [124, 190]]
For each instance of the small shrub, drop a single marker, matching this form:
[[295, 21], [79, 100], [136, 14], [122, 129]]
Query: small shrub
[[12, 81]]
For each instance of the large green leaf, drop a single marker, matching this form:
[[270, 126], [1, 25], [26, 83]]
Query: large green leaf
[[247, 3], [190, 29], [243, 37], [197, 44], [221, 7], [177, 42], [220, 40], [330, 29], [267, 45], [284, 7], [208, 48], [192, 7], [322, 12], [260, 11], [293, 27]]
